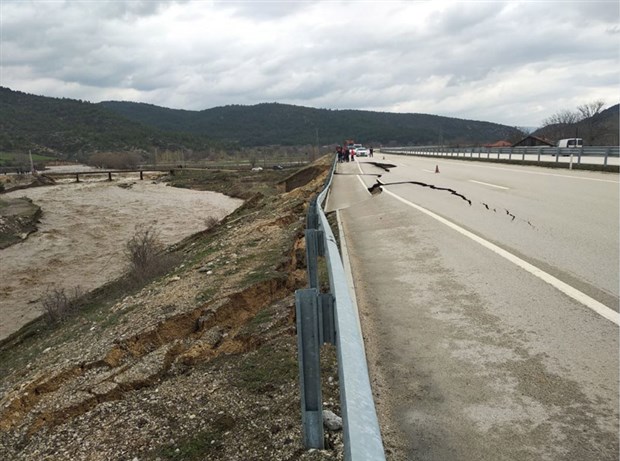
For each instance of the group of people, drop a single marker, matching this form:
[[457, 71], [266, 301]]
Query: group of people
[[347, 154]]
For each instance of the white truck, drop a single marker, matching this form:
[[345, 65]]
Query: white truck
[[571, 142]]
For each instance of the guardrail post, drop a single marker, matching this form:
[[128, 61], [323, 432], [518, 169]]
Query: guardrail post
[[313, 251], [328, 324], [312, 219], [557, 155], [607, 151], [308, 347], [579, 156], [539, 152]]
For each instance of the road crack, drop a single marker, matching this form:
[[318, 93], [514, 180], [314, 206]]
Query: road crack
[[376, 189]]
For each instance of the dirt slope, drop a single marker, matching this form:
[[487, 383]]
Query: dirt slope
[[199, 364]]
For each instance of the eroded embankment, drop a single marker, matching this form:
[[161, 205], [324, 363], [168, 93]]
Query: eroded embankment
[[141, 360], [202, 359]]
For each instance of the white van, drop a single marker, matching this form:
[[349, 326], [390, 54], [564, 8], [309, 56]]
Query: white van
[[570, 142]]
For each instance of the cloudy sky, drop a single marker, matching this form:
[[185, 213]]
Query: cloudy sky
[[509, 62]]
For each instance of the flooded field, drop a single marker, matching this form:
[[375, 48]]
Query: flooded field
[[82, 235]]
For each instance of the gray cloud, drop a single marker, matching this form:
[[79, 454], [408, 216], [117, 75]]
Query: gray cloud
[[508, 62]]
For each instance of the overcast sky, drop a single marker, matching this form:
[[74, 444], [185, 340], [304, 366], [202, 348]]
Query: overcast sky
[[511, 62]]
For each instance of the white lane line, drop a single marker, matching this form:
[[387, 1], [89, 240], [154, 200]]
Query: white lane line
[[577, 295], [429, 171], [360, 179], [488, 184], [359, 167], [346, 263]]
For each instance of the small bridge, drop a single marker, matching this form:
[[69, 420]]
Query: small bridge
[[109, 173]]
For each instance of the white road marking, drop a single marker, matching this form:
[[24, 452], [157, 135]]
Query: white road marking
[[346, 263], [429, 171], [488, 184], [360, 178], [577, 295]]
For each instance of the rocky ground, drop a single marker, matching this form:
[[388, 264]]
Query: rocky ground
[[198, 364]]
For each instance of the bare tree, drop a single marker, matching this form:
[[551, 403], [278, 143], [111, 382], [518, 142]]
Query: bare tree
[[563, 117], [590, 109]]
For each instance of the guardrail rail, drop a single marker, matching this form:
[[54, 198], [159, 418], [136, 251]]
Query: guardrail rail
[[331, 318], [560, 156]]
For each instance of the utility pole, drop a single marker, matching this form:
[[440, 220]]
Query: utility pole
[[317, 143]]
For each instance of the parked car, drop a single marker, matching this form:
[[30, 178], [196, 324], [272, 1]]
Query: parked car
[[361, 151]]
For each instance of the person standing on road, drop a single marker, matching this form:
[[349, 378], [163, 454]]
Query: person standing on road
[[370, 152]]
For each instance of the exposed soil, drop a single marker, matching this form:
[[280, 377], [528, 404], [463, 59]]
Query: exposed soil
[[199, 364], [18, 219]]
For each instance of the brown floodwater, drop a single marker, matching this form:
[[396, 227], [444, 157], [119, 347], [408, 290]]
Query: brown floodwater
[[82, 236]]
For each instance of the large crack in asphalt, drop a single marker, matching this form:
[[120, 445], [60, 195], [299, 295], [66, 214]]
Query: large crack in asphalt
[[373, 189], [383, 166], [376, 189]]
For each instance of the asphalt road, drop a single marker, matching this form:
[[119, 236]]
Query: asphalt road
[[489, 306]]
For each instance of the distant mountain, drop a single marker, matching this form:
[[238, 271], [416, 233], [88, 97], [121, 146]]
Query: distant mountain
[[68, 128], [282, 124]]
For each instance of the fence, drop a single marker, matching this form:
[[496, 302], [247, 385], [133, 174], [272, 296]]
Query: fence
[[331, 318], [590, 155]]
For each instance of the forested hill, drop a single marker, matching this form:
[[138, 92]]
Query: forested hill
[[69, 128], [273, 123], [74, 129]]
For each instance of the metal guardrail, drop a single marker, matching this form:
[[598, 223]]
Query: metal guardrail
[[331, 318], [601, 154]]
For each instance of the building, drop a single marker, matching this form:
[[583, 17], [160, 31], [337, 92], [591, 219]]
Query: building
[[534, 141], [499, 144]]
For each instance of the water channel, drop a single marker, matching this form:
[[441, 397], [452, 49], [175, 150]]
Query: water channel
[[83, 232]]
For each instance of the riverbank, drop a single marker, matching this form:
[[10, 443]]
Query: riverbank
[[82, 234], [198, 364], [18, 219]]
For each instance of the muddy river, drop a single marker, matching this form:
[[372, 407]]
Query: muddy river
[[82, 235]]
